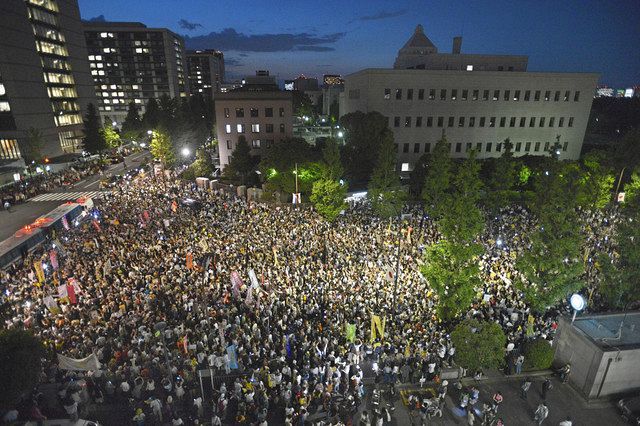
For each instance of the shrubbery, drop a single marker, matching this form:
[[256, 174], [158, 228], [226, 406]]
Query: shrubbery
[[538, 355]]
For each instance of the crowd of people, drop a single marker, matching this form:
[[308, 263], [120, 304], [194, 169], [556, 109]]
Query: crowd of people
[[275, 302]]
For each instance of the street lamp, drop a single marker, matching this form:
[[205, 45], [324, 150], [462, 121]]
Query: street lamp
[[340, 134], [186, 152], [114, 123], [577, 303], [149, 132]]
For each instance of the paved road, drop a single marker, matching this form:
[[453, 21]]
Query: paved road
[[25, 213]]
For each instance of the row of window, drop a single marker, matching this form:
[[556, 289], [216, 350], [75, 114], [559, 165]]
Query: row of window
[[525, 147], [255, 128], [482, 122], [485, 95], [9, 149], [253, 112], [255, 143]]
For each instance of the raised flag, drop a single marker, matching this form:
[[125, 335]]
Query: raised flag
[[236, 283], [53, 256], [71, 294], [65, 222], [96, 225], [146, 215], [254, 279], [37, 265], [233, 357], [51, 305], [189, 260], [350, 332]]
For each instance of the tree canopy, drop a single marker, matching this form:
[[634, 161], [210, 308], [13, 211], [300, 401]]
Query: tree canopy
[[94, 141], [161, 147], [479, 345], [385, 192], [20, 368]]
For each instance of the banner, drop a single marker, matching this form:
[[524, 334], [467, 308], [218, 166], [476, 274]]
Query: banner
[[236, 283], [146, 215], [96, 225], [254, 279], [53, 256], [249, 299], [51, 305], [275, 256], [85, 364], [350, 331], [377, 327], [58, 246], [65, 222], [189, 260], [37, 265], [233, 357]]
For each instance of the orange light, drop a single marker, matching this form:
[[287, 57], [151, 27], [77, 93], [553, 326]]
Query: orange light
[[46, 160]]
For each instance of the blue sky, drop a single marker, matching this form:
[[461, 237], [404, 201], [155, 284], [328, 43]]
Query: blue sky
[[324, 37]]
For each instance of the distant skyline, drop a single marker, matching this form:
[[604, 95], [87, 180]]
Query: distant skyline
[[290, 38]]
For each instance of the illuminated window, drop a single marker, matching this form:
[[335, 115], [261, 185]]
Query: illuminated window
[[2, 89], [4, 106], [404, 167], [227, 128], [54, 49], [240, 128], [138, 101], [255, 128], [469, 67], [9, 149], [65, 120], [255, 143]]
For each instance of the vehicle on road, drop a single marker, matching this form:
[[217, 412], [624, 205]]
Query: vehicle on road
[[630, 409]]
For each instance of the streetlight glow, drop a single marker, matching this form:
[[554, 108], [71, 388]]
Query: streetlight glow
[[149, 132], [340, 134], [186, 151]]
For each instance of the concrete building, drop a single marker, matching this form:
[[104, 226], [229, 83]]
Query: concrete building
[[206, 71], [44, 75], [478, 100], [604, 353], [263, 117], [130, 62], [305, 84]]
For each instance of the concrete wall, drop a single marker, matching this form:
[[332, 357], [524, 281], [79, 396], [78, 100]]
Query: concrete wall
[[365, 91]]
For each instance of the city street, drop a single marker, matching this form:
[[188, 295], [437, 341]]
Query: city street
[[25, 213]]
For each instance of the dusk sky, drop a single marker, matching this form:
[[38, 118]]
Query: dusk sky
[[340, 37]]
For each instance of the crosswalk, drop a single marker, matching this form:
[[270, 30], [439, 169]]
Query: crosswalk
[[66, 196]]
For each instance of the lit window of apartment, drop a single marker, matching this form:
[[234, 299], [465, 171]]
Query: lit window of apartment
[[387, 93], [227, 128], [255, 128], [255, 143], [405, 167], [240, 128]]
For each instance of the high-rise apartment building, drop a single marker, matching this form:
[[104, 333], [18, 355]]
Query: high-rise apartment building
[[206, 71], [45, 83], [477, 100], [130, 62]]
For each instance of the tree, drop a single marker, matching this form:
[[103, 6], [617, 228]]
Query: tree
[[479, 345], [438, 177], [278, 165], [161, 148], [203, 166], [151, 116], [167, 112], [627, 150], [111, 137], [94, 141], [384, 192], [20, 368], [241, 162], [328, 197], [552, 267], [363, 137], [302, 105], [502, 179], [331, 159], [596, 182], [31, 146], [419, 175], [132, 123], [334, 111], [632, 188]]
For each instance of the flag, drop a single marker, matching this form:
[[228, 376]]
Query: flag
[[389, 273], [106, 269], [236, 283], [89, 363], [71, 294], [233, 357], [62, 291], [53, 255], [249, 299], [377, 327], [51, 305], [96, 225], [204, 245], [37, 265], [189, 260], [275, 256], [350, 331], [65, 222], [254, 279], [146, 215]]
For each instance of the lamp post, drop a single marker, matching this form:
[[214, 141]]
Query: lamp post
[[577, 303]]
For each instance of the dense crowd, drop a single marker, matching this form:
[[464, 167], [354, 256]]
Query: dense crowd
[[170, 279]]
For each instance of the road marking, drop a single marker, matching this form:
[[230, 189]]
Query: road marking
[[66, 196]]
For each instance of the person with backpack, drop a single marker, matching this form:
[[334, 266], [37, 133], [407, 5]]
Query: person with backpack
[[524, 388], [546, 387]]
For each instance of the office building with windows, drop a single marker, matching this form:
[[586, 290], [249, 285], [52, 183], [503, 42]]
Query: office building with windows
[[206, 72], [130, 62], [45, 83], [263, 117], [476, 100]]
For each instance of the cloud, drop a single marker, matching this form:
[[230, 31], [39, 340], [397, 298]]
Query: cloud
[[315, 48], [99, 18], [230, 39], [385, 14], [188, 25], [244, 55], [234, 62]]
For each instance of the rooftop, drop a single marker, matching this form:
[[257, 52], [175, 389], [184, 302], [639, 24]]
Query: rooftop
[[611, 331]]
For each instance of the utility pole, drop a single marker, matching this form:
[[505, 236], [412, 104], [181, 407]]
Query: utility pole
[[296, 194]]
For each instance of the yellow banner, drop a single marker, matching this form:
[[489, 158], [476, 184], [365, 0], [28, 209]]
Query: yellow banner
[[37, 265], [377, 327]]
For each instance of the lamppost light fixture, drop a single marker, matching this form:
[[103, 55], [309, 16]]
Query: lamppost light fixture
[[186, 151]]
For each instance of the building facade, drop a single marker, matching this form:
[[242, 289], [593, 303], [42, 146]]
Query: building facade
[[206, 71], [45, 84], [130, 62], [262, 117], [476, 109]]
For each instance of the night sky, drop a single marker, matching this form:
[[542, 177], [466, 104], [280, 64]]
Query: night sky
[[339, 37]]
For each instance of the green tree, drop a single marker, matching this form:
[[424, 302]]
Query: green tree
[[479, 345], [94, 141], [627, 150], [538, 354], [363, 137], [385, 193], [302, 105], [20, 368], [596, 181], [419, 175], [331, 159], [502, 180], [552, 266], [632, 188], [167, 112], [203, 166], [31, 146], [328, 197], [278, 166], [161, 147], [111, 137], [241, 162], [132, 123], [151, 117], [438, 178]]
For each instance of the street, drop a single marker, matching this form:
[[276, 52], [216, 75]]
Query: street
[[25, 213]]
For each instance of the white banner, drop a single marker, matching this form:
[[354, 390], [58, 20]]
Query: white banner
[[85, 364], [254, 279]]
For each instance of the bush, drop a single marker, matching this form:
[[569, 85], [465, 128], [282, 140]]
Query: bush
[[189, 174], [479, 345], [538, 355], [20, 368]]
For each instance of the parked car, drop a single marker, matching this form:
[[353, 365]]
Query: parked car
[[630, 409]]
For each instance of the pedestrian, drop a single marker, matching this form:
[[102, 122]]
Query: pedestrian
[[546, 387], [519, 363], [497, 400], [524, 388], [564, 373], [542, 412]]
